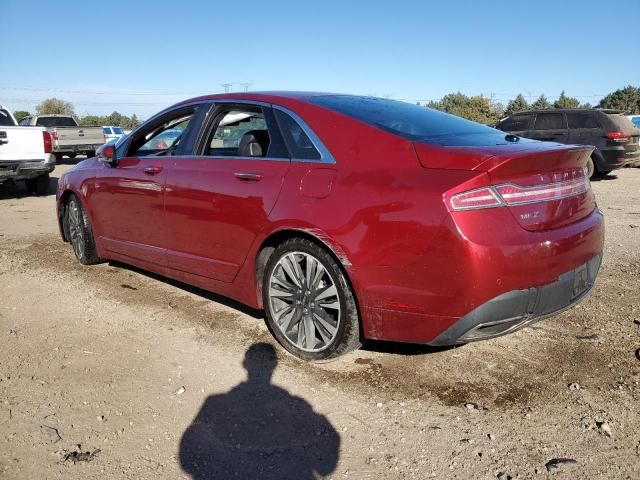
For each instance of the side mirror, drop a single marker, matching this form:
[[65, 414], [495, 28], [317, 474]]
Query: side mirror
[[107, 154]]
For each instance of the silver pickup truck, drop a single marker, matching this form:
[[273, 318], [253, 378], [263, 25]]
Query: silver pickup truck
[[68, 138]]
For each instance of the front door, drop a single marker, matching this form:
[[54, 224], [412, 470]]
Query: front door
[[131, 207], [218, 201]]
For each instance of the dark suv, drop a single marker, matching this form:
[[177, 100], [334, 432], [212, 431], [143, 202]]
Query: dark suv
[[613, 134]]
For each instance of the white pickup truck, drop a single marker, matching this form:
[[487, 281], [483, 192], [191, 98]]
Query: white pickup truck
[[68, 137], [25, 154]]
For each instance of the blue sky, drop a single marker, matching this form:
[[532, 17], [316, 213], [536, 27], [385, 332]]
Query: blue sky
[[140, 56]]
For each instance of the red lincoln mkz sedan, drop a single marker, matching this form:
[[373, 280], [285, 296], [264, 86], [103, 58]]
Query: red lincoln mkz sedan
[[345, 218]]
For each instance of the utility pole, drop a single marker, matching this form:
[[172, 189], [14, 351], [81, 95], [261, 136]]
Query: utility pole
[[245, 86], [227, 87]]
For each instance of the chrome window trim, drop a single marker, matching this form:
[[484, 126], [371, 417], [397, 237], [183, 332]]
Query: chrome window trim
[[222, 157], [325, 155]]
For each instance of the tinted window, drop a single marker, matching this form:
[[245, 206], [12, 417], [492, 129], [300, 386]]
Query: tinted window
[[636, 121], [404, 119], [581, 120], [516, 123], [106, 131], [240, 133], [5, 119], [117, 131], [299, 144], [161, 139], [56, 122], [549, 121]]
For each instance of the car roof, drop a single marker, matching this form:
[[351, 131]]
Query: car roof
[[571, 110], [265, 96]]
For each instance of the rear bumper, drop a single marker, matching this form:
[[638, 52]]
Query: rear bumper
[[26, 169], [516, 309], [63, 149], [618, 157]]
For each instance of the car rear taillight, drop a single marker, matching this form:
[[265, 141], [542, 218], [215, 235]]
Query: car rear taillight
[[618, 136], [54, 134], [474, 199], [512, 195], [46, 138]]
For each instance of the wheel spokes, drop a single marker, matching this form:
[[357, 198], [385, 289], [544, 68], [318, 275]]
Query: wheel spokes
[[304, 301]]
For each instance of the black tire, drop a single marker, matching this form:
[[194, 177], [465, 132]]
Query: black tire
[[604, 172], [38, 185], [591, 168], [77, 227], [90, 153], [71, 155], [58, 156], [347, 336]]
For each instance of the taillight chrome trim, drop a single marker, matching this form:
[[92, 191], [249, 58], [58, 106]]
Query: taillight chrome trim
[[499, 202], [575, 187], [578, 186]]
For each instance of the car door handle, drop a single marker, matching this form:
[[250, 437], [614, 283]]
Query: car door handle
[[248, 177], [152, 170], [4, 142]]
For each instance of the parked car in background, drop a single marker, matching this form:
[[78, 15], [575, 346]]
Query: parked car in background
[[25, 154], [346, 218], [635, 119], [612, 134], [68, 137], [112, 133]]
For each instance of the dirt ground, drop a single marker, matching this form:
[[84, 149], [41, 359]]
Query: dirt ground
[[109, 372]]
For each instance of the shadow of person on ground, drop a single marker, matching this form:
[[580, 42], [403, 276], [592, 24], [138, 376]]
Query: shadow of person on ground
[[259, 430]]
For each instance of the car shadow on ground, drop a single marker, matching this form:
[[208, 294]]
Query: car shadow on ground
[[19, 190], [405, 349], [259, 430], [602, 178]]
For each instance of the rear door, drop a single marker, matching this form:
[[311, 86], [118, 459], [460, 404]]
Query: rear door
[[550, 127], [218, 200], [584, 129]]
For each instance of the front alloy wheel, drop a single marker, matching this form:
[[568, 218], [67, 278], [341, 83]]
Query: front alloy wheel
[[310, 307]]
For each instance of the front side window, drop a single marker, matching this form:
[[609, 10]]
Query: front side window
[[549, 121], [117, 130], [106, 131], [581, 120], [161, 138], [516, 123]]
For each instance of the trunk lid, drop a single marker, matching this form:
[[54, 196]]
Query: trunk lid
[[544, 185]]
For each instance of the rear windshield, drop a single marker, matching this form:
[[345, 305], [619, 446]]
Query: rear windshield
[[409, 121], [5, 119], [56, 122]]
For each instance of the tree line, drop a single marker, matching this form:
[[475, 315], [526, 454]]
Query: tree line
[[478, 108], [483, 109], [53, 106]]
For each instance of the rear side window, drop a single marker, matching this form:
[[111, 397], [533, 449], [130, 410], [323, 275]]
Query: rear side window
[[636, 121], [549, 121], [106, 131], [581, 120], [400, 118], [516, 123], [56, 122], [5, 119], [117, 130], [299, 144]]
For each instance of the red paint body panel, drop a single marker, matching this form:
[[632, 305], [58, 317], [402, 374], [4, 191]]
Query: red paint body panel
[[415, 265]]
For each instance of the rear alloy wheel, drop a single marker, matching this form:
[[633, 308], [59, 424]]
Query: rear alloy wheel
[[79, 233], [308, 302]]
